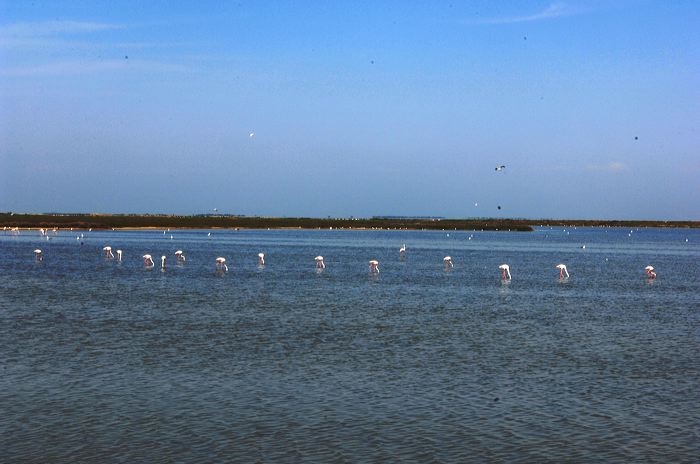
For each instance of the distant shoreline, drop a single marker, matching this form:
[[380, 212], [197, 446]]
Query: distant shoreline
[[143, 221]]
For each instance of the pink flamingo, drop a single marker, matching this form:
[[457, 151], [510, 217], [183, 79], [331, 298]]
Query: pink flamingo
[[319, 262], [650, 272], [221, 264], [505, 271], [562, 271]]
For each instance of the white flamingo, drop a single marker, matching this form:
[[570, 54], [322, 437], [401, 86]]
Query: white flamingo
[[563, 273], [108, 252], [402, 251], [650, 272], [505, 271], [37, 255], [374, 266], [221, 264], [162, 262], [148, 261], [447, 260], [119, 255], [261, 259], [180, 256], [319, 262]]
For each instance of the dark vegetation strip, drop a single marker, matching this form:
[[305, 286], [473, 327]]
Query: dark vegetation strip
[[204, 222], [108, 221]]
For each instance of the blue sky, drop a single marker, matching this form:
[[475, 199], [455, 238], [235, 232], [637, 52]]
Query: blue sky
[[357, 108]]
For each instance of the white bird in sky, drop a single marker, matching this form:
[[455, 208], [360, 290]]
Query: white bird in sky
[[251, 135], [501, 167]]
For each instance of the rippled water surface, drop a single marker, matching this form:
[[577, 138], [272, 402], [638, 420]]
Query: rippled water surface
[[102, 361]]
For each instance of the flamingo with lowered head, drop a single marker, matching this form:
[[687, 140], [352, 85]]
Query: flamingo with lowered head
[[505, 271], [447, 260], [650, 272], [374, 266], [319, 262], [148, 261], [563, 273], [221, 264]]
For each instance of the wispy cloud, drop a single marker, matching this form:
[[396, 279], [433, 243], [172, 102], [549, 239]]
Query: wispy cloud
[[63, 45], [554, 10], [53, 28], [613, 166], [90, 67]]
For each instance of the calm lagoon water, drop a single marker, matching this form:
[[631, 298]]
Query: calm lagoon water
[[103, 361]]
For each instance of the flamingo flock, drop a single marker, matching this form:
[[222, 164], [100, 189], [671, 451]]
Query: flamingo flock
[[221, 267]]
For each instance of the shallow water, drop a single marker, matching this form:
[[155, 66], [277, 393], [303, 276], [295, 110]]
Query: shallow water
[[102, 361]]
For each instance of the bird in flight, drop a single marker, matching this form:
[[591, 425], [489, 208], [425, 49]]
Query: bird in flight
[[500, 168]]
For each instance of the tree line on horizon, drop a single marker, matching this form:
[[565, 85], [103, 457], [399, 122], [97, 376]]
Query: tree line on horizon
[[108, 221]]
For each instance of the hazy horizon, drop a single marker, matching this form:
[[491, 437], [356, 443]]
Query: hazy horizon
[[352, 109], [378, 216]]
